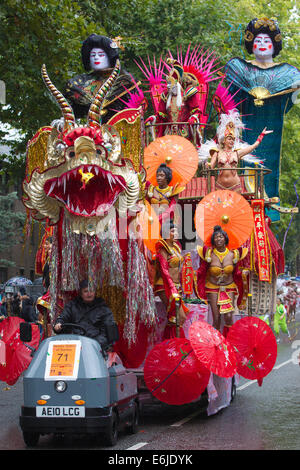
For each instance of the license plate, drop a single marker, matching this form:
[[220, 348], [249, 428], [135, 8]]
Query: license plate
[[60, 411]]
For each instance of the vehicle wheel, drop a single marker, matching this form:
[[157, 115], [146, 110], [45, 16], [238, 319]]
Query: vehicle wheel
[[111, 434], [31, 438], [133, 427], [233, 390]]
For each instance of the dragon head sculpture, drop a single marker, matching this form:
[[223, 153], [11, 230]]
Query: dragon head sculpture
[[83, 171]]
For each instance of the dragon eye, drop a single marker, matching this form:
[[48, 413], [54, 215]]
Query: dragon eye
[[70, 152], [100, 151]]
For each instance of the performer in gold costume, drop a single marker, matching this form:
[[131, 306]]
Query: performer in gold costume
[[167, 283]]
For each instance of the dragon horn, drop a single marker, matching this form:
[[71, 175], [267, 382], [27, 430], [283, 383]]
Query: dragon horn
[[94, 116], [69, 117]]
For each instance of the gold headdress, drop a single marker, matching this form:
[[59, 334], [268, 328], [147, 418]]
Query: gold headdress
[[230, 130]]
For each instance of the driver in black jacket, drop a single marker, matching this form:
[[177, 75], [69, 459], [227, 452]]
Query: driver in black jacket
[[88, 311]]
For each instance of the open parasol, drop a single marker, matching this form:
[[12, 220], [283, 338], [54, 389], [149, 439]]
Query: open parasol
[[255, 347], [228, 209], [19, 281], [173, 374], [212, 349], [148, 226], [18, 355], [177, 153]]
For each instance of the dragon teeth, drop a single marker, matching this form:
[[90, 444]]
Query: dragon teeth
[[51, 188]]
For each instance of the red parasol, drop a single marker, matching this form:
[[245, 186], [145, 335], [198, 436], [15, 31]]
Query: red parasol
[[17, 354], [255, 347], [212, 349], [173, 374], [134, 355]]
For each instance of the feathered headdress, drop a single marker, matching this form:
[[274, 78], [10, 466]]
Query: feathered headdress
[[230, 124]]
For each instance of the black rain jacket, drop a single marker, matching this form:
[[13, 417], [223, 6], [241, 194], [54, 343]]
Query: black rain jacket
[[93, 317]]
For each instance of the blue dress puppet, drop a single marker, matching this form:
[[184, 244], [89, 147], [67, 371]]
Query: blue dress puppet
[[268, 91]]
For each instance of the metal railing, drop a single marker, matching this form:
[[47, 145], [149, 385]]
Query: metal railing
[[259, 174], [174, 128]]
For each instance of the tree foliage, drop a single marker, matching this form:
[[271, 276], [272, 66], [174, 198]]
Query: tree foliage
[[11, 225]]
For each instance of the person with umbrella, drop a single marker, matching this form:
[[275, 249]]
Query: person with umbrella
[[27, 311], [163, 196], [167, 284], [219, 280], [170, 162], [15, 305]]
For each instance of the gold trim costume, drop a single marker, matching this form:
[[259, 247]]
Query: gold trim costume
[[165, 282], [239, 285], [164, 201]]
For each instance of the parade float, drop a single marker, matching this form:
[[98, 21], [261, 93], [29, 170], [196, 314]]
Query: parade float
[[116, 189]]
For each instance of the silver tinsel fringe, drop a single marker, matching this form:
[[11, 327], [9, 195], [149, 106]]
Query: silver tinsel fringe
[[95, 258], [140, 305]]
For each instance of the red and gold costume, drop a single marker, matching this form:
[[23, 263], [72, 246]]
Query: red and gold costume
[[184, 106], [168, 267], [164, 201], [169, 112], [238, 286]]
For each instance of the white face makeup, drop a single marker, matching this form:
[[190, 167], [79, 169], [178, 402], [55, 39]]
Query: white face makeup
[[99, 59], [263, 48]]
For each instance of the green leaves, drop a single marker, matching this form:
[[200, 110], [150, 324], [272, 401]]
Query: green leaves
[[11, 226]]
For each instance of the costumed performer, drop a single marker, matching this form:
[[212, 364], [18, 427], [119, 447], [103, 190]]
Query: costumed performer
[[181, 102], [280, 320], [164, 196], [218, 278], [266, 91], [167, 283], [99, 56], [230, 151]]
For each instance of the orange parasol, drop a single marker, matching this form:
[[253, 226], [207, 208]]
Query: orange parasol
[[228, 209], [177, 153], [148, 225]]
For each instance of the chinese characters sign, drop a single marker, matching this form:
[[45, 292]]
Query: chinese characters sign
[[187, 275], [261, 240]]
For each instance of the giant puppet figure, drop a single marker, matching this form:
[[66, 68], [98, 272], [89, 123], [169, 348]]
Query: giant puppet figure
[[267, 91], [79, 182], [179, 90], [99, 55]]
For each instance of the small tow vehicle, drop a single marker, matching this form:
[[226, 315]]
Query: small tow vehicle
[[71, 388]]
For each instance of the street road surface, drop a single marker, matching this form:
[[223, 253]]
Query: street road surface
[[259, 418]]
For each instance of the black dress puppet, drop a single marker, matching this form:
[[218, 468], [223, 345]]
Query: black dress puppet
[[99, 56]]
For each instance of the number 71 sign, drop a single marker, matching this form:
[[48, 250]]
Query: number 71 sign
[[62, 360]]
